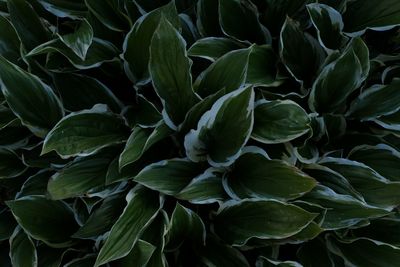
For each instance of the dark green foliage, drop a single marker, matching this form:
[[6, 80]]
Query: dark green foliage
[[197, 133]]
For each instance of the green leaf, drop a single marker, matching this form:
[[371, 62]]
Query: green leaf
[[107, 11], [73, 9], [80, 92], [212, 48], [205, 188], [274, 12], [390, 122], [54, 221], [329, 25], [102, 219], [228, 72], [137, 42], [262, 67], [9, 41], [184, 225], [169, 69], [335, 83], [139, 256], [22, 250], [298, 49], [253, 175], [80, 40], [79, 177], [223, 130], [7, 225], [30, 28], [279, 121], [208, 18], [334, 180], [374, 14], [362, 52], [376, 101], [231, 10], [365, 252], [382, 158], [376, 190], [35, 185], [144, 113], [143, 206], [169, 176], [238, 221], [342, 210], [10, 164], [99, 52], [73, 135], [140, 141], [31, 100], [216, 253]]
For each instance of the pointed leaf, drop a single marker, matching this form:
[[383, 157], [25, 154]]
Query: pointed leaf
[[10, 164], [143, 206], [212, 48], [22, 250], [170, 72], [137, 42], [228, 72], [223, 130], [107, 11], [80, 40], [237, 222], [279, 121], [255, 176], [68, 138], [65, 8], [54, 220], [169, 176], [31, 100]]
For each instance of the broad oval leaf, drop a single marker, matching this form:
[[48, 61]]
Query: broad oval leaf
[[85, 132], [169, 69], [262, 67], [169, 176], [298, 49], [335, 83], [255, 176], [137, 42], [228, 72], [376, 190], [54, 221], [205, 188], [79, 177], [223, 130], [279, 121], [142, 208], [342, 210], [376, 101], [238, 221], [31, 100]]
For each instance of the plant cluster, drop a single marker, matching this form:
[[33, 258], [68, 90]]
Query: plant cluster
[[199, 133]]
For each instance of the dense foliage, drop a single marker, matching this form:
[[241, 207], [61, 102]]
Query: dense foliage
[[199, 133]]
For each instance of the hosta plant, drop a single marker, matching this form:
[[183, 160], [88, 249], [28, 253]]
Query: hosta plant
[[227, 133]]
